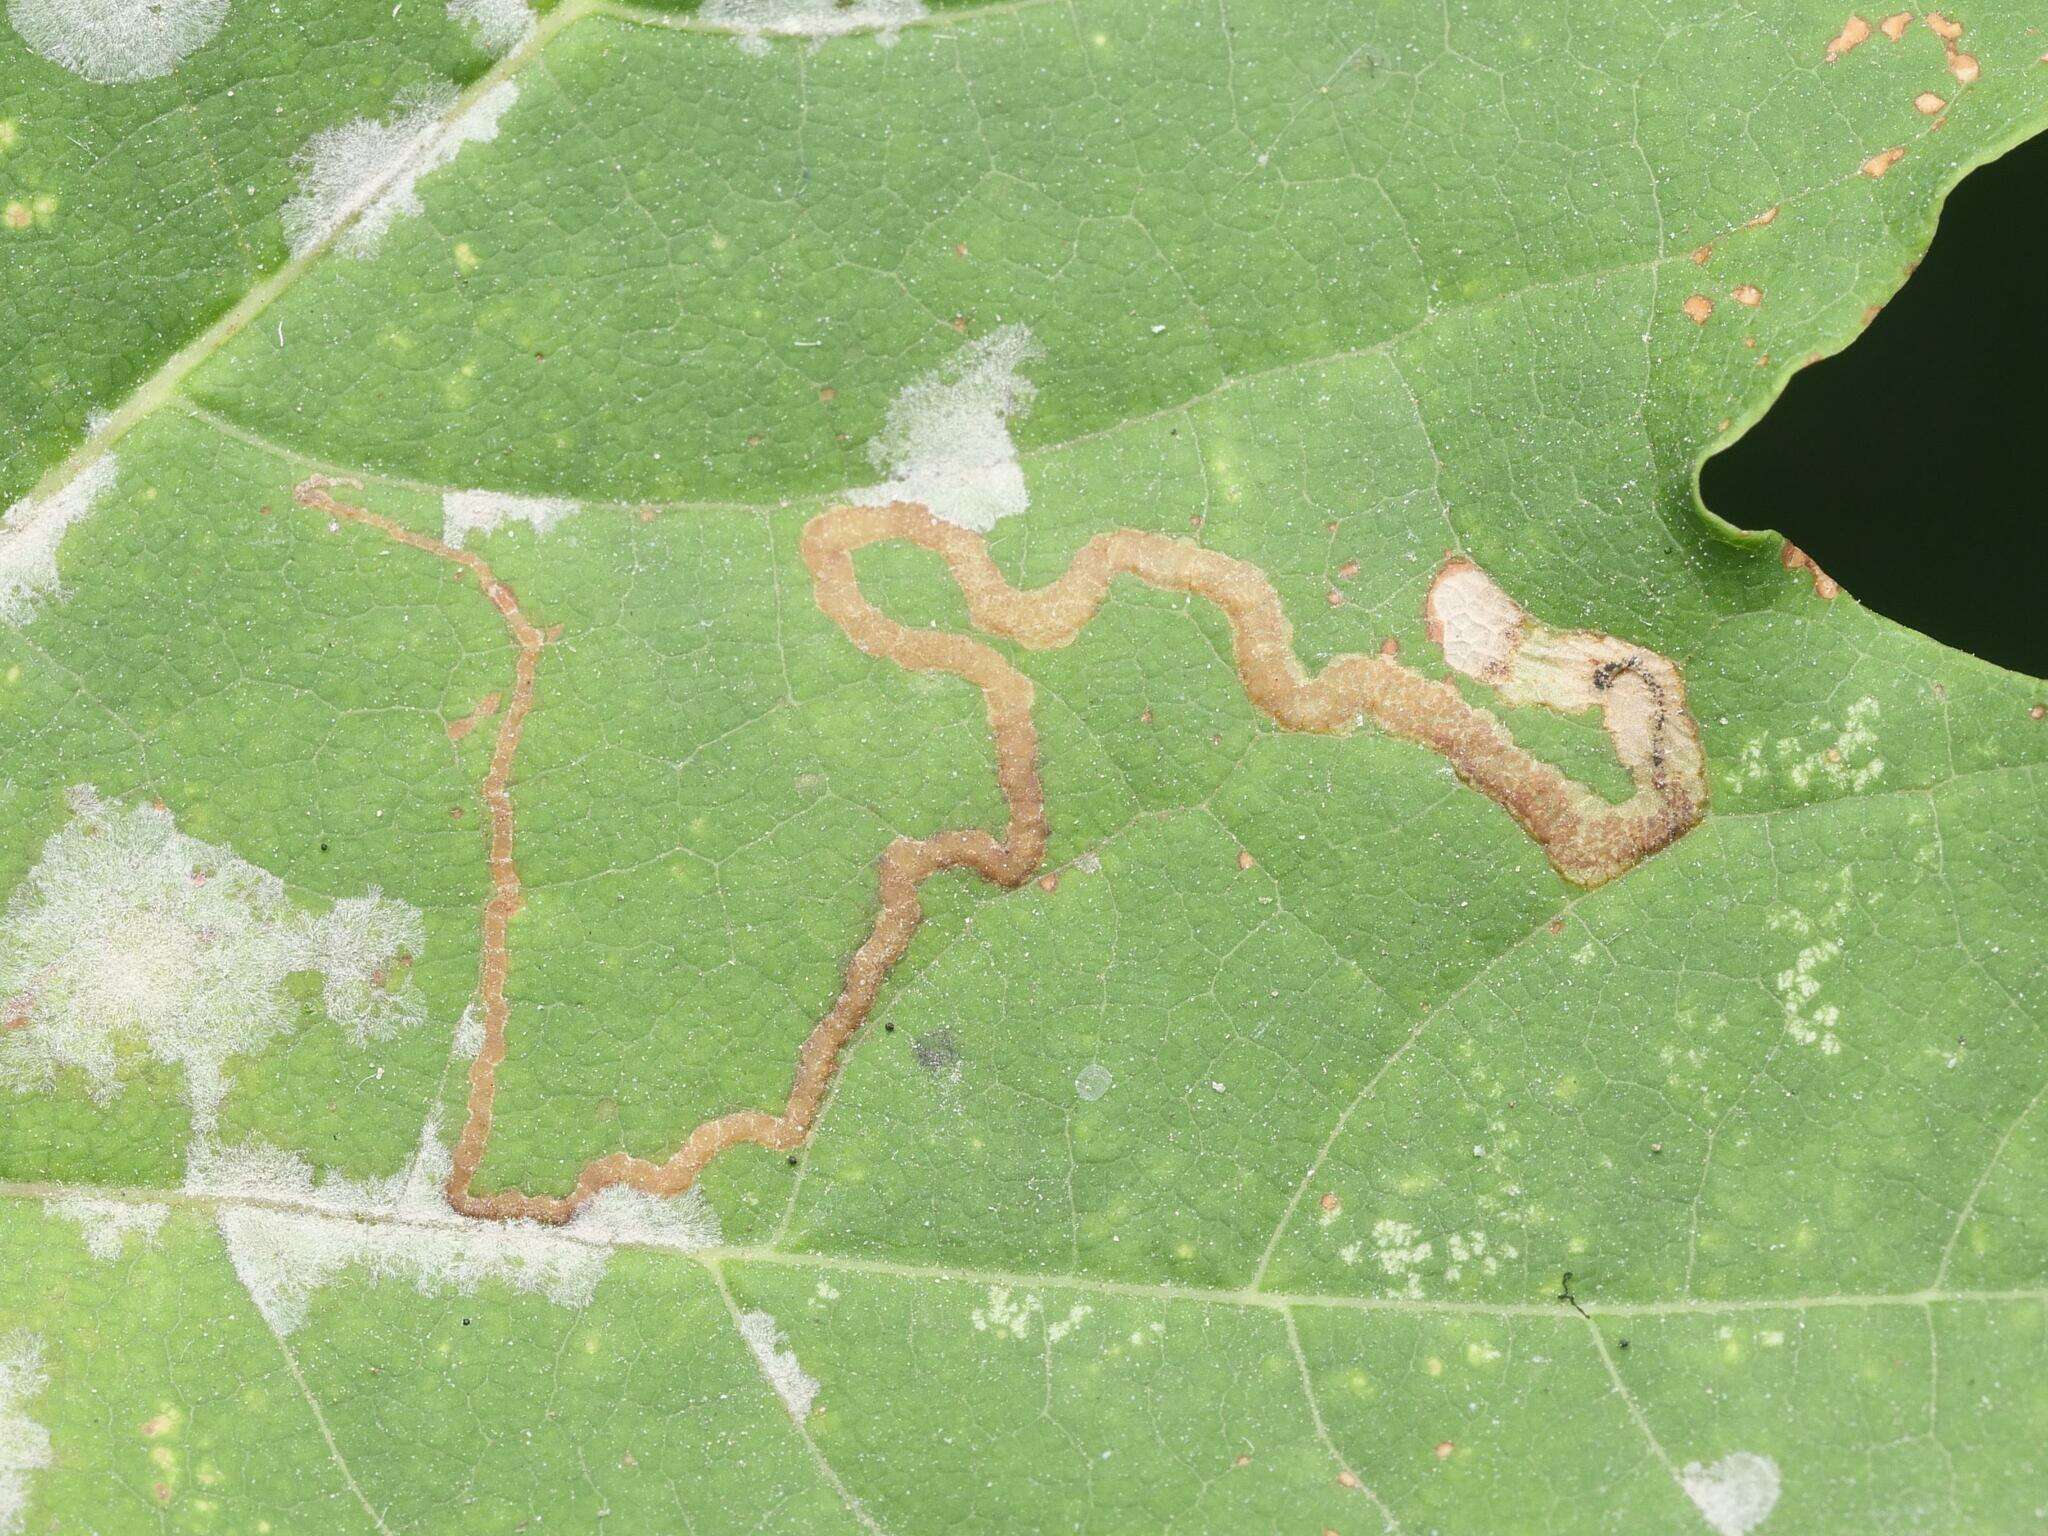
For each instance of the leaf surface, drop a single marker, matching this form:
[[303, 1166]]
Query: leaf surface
[[858, 768]]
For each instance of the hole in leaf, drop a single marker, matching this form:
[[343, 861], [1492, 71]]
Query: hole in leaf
[[1910, 466]]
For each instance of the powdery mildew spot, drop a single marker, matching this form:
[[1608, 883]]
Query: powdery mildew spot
[[1808, 1019], [498, 25], [1734, 1494], [24, 1444], [466, 512], [117, 42], [756, 21], [289, 1234], [1840, 756], [1093, 1081], [369, 171], [108, 1224], [946, 443], [778, 1363], [128, 931], [1009, 1316], [31, 531]]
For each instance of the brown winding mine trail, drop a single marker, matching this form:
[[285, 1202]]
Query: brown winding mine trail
[[1484, 634]]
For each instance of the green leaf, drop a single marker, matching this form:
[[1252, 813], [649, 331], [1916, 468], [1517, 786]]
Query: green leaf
[[895, 768]]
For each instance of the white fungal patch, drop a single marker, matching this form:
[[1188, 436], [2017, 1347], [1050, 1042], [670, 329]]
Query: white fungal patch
[[1093, 1081], [1010, 1316], [1835, 755], [498, 25], [1734, 1494], [30, 533], [1401, 1254], [946, 440], [117, 42], [24, 1444], [289, 1234], [778, 1363], [108, 1224], [466, 512], [1808, 1018], [756, 21], [129, 932], [370, 171]]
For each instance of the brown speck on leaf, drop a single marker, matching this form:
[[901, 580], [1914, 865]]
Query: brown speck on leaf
[[1872, 312], [2038, 712], [1796, 559], [960, 324], [1726, 423], [456, 813], [753, 439], [1928, 103], [1049, 883], [1964, 67], [1349, 1479], [1244, 858], [161, 1491], [1334, 598], [1855, 31], [1242, 1461], [828, 394], [960, 250], [1948, 31], [629, 1460], [1556, 926], [1331, 1203], [1444, 1449], [646, 514], [1882, 161], [1747, 293], [1749, 342], [151, 1428], [1697, 308], [1390, 647], [1145, 717], [1763, 218], [1894, 26], [1703, 255], [1763, 360], [1347, 570], [1196, 522]]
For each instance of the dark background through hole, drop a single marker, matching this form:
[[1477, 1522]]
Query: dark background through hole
[[1913, 467]]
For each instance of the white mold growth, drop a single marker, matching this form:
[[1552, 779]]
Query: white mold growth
[[946, 439], [117, 42], [24, 1444], [466, 512], [619, 1215], [108, 1224], [779, 1364], [129, 932], [1831, 755], [497, 25], [1009, 1316], [1093, 1081], [1735, 1493], [31, 531], [370, 171], [290, 1233], [756, 21]]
